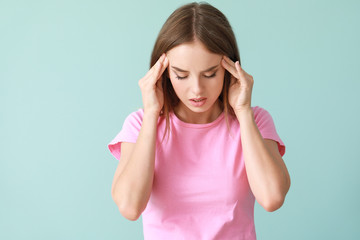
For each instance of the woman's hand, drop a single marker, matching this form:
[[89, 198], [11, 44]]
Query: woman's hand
[[241, 85], [151, 87]]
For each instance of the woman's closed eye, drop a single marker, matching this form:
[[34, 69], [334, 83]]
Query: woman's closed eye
[[211, 76]]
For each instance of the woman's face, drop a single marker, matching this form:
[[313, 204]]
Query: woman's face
[[197, 76]]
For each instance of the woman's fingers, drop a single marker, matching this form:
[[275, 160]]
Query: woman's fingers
[[239, 69], [160, 68], [235, 69], [153, 68], [150, 85], [230, 66]]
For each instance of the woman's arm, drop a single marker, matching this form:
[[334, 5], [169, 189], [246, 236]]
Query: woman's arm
[[133, 180], [134, 176], [267, 174]]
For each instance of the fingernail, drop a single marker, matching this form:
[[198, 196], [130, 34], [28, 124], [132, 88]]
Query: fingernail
[[238, 64]]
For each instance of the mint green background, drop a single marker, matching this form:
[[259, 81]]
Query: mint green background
[[69, 74]]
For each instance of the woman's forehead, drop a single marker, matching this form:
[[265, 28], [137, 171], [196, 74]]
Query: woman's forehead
[[192, 56]]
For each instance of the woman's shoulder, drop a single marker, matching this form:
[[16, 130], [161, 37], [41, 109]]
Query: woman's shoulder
[[139, 113], [262, 116], [135, 116], [259, 111]]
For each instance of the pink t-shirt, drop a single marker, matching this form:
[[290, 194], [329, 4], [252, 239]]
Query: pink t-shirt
[[200, 188]]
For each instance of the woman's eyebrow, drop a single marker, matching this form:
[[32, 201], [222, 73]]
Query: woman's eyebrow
[[207, 70]]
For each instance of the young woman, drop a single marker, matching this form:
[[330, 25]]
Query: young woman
[[195, 158]]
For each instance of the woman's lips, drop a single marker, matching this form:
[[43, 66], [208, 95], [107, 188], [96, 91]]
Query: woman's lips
[[198, 102]]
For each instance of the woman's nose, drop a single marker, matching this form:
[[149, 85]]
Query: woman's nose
[[196, 86]]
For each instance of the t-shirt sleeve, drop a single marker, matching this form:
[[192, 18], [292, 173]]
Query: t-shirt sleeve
[[129, 133], [267, 127]]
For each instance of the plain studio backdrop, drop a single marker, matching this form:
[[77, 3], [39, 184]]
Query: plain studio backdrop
[[69, 74]]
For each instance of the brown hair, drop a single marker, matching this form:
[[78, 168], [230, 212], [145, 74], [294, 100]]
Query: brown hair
[[195, 21]]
